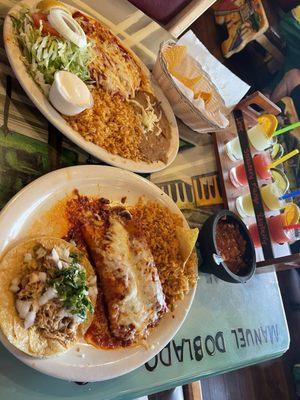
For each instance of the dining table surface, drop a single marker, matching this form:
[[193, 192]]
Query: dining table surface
[[229, 326]]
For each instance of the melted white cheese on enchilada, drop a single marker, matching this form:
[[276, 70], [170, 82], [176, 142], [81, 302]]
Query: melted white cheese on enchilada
[[132, 262], [130, 281]]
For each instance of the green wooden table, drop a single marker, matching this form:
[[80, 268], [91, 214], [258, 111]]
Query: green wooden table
[[229, 326]]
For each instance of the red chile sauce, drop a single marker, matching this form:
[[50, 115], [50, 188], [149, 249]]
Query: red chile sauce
[[80, 210], [231, 245]]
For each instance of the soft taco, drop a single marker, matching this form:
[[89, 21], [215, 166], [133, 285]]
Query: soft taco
[[48, 292]]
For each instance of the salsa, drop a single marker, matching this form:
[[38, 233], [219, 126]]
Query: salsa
[[231, 245], [98, 334]]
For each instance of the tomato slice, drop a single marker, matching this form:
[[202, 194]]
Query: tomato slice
[[47, 28]]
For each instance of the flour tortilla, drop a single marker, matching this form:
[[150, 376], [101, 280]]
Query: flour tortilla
[[31, 341]]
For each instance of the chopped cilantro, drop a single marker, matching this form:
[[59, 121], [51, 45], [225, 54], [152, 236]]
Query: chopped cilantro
[[70, 284], [76, 257]]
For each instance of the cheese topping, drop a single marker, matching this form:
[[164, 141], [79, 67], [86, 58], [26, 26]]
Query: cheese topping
[[131, 261], [148, 117]]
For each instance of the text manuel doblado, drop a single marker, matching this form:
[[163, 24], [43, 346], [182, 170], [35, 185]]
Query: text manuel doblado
[[201, 346]]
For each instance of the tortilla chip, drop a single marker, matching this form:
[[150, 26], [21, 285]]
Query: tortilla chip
[[187, 240]]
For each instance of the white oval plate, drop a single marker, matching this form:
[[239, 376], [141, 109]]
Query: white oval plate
[[33, 201], [41, 102]]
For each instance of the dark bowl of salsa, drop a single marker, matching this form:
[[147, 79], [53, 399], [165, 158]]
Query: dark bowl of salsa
[[226, 248]]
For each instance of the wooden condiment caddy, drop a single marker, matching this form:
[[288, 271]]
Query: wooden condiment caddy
[[270, 255]]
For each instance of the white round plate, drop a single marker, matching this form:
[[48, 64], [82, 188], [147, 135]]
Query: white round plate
[[41, 102], [33, 201]]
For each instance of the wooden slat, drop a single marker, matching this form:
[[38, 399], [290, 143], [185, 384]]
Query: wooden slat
[[250, 115], [192, 391], [271, 48], [265, 381], [187, 16]]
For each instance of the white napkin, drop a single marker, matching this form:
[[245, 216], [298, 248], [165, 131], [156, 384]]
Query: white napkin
[[214, 110], [211, 111], [231, 88]]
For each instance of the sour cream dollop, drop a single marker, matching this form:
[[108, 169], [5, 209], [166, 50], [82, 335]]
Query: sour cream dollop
[[69, 94]]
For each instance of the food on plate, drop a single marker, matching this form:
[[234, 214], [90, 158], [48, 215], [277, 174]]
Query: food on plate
[[114, 68], [130, 281], [125, 118], [46, 5], [116, 125], [160, 228], [129, 263], [48, 293], [66, 26], [231, 245], [69, 94], [45, 51], [187, 240], [136, 252]]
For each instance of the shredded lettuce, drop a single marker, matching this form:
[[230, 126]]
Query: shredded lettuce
[[44, 55]]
